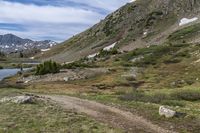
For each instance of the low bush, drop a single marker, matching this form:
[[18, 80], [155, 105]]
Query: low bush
[[105, 53], [172, 60], [1, 67], [173, 103], [142, 97], [157, 98], [188, 95]]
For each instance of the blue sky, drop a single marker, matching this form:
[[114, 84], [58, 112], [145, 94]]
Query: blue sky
[[53, 19]]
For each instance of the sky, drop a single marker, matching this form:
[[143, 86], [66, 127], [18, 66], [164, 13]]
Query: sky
[[55, 20]]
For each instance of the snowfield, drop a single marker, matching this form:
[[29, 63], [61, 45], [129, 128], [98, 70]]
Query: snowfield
[[110, 47], [185, 21]]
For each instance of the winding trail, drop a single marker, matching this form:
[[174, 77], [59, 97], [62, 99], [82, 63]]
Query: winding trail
[[110, 115]]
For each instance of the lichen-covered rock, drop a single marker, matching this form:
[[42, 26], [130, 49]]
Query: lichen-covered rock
[[168, 113], [19, 99]]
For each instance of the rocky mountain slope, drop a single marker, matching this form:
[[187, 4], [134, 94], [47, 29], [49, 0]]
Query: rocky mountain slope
[[137, 24], [11, 43]]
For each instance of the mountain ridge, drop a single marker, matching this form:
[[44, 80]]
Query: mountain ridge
[[12, 43]]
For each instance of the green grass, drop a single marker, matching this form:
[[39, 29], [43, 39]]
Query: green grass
[[149, 110], [45, 117]]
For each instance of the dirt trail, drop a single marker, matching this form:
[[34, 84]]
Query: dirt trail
[[110, 115]]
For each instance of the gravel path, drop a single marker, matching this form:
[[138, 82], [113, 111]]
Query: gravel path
[[110, 115]]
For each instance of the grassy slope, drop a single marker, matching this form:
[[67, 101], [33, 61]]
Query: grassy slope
[[168, 75]]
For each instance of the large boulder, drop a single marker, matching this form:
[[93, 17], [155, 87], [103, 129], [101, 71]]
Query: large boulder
[[168, 113]]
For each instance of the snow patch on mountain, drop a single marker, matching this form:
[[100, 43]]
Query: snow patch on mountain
[[93, 55], [108, 48], [185, 21]]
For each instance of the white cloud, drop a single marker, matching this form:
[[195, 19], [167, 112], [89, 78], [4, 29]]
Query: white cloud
[[109, 5], [19, 13], [56, 22]]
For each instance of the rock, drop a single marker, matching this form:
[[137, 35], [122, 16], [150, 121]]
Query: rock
[[19, 99], [168, 113], [66, 79]]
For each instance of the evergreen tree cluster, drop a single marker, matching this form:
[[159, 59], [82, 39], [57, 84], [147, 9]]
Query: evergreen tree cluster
[[47, 67]]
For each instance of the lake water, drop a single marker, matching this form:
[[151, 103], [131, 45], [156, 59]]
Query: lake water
[[7, 72]]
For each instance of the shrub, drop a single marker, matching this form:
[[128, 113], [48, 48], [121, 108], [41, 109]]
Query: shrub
[[157, 97], [105, 53], [142, 97], [76, 64], [47, 67], [188, 95], [1, 67]]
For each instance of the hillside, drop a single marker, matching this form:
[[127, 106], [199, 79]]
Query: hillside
[[137, 24]]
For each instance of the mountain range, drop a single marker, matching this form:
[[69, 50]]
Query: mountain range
[[11, 43]]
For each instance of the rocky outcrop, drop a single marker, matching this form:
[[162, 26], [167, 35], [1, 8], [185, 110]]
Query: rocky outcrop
[[65, 75]]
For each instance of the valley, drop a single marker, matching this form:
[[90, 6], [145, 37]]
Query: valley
[[136, 71]]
